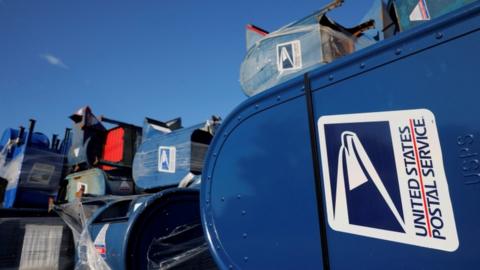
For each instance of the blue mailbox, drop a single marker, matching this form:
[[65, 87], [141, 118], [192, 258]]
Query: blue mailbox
[[369, 162], [170, 154], [31, 167], [150, 231]]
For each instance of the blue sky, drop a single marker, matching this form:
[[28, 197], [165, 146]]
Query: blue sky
[[131, 59]]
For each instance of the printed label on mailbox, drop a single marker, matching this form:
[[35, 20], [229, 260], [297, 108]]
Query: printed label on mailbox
[[41, 174], [384, 178], [289, 56], [100, 243], [166, 159]]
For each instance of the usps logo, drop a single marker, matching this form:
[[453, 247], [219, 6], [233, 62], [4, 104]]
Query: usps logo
[[383, 177], [420, 12], [166, 159], [289, 56]]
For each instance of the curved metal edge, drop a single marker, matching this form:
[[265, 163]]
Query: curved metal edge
[[146, 203], [400, 46]]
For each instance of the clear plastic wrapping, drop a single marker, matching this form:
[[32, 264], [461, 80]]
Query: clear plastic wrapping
[[35, 243], [189, 179], [151, 159], [11, 171], [41, 246], [75, 215], [385, 27], [36, 172], [183, 246], [91, 182], [295, 49], [164, 159], [167, 253]]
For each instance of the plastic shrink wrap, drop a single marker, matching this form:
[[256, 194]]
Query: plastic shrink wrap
[[87, 139], [156, 231], [95, 145], [76, 215], [160, 231], [31, 168], [167, 157], [96, 182], [297, 48], [99, 158], [34, 239]]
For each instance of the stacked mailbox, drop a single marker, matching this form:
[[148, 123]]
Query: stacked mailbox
[[31, 168], [156, 224]]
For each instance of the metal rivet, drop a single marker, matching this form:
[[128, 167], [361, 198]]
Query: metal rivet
[[207, 201], [245, 235], [244, 212], [223, 199], [256, 106], [398, 51], [362, 65], [330, 78], [245, 259], [209, 177], [230, 266], [439, 35], [239, 196], [278, 97]]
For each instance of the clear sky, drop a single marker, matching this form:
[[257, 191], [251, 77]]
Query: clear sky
[[131, 59]]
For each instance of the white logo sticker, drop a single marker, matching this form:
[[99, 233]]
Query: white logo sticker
[[289, 56], [166, 159], [384, 178]]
